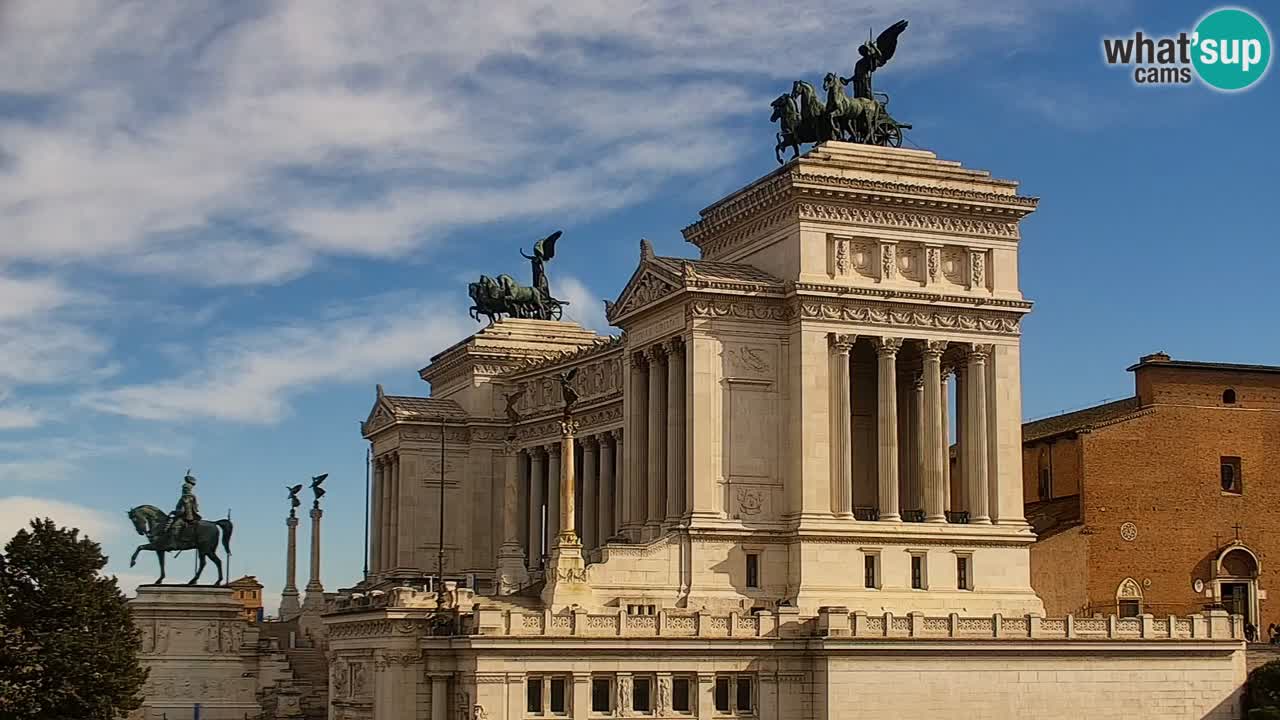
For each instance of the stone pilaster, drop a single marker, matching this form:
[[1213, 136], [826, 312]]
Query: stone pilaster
[[842, 426], [555, 499], [657, 475], [375, 519], [439, 696], [511, 559], [675, 444], [935, 489], [289, 606], [386, 552], [634, 490], [887, 424], [396, 559], [976, 435]]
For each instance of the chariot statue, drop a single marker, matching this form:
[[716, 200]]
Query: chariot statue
[[183, 529], [805, 116], [503, 295]]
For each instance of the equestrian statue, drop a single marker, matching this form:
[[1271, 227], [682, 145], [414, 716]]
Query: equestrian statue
[[182, 529], [495, 297], [862, 118]]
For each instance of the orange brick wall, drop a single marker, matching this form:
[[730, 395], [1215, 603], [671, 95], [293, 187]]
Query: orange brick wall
[[1060, 572], [1161, 471], [1065, 454]]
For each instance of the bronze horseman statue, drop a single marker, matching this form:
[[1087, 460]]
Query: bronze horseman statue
[[183, 529], [495, 297], [863, 118]]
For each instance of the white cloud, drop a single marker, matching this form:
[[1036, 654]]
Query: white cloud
[[17, 512], [20, 417], [585, 307], [240, 143], [251, 377]]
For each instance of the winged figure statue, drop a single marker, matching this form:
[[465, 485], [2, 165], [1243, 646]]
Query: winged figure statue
[[293, 496], [873, 56], [567, 391], [316, 482], [513, 415]]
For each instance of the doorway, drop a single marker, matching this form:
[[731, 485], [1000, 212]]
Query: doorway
[[1235, 599]]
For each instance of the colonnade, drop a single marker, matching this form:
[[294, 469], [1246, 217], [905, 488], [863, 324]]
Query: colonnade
[[656, 407], [922, 492], [384, 523], [534, 521]]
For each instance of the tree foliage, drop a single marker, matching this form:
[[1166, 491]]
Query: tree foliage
[[68, 647]]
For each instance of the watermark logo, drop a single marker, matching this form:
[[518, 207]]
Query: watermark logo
[[1229, 49]]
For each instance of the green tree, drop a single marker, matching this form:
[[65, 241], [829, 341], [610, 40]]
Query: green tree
[[68, 648]]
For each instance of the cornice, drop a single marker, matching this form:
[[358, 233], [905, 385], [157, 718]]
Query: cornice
[[820, 290]]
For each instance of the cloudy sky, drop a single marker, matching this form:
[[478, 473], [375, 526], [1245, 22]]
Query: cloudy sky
[[222, 222]]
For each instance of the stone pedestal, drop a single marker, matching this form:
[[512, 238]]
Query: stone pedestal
[[193, 642]]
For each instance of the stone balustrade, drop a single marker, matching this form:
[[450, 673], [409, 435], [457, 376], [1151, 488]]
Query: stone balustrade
[[840, 623]]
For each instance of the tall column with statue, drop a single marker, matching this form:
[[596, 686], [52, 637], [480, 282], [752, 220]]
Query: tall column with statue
[[566, 576], [289, 605]]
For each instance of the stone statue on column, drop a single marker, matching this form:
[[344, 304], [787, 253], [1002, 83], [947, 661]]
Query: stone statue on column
[[289, 605], [566, 576]]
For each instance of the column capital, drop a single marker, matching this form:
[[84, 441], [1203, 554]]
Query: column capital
[[653, 353], [590, 441], [568, 428], [674, 345], [841, 342], [978, 352], [616, 434], [887, 346], [933, 349], [946, 373], [553, 450], [917, 380]]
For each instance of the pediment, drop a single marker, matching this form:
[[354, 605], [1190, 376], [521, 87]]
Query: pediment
[[649, 284], [380, 415]]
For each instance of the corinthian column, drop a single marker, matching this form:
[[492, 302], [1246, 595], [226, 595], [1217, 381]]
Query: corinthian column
[[635, 481], [887, 424], [675, 431], [935, 490], [946, 442], [386, 550], [976, 434], [554, 496], [590, 492], [397, 502], [657, 476], [375, 520], [537, 477], [608, 483], [842, 422]]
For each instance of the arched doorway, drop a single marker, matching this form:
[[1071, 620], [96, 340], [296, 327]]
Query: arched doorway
[[1236, 581], [1129, 598]]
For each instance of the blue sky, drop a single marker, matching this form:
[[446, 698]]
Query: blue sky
[[224, 221]]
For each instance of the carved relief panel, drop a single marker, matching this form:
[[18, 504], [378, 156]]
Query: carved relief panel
[[851, 257], [751, 417]]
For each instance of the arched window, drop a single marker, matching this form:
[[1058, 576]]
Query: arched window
[[1238, 563], [1229, 397], [1129, 598]]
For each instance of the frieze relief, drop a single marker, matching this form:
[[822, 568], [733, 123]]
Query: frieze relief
[[953, 264], [939, 319], [910, 261], [910, 220], [749, 361], [588, 423], [646, 290], [597, 379], [385, 660], [737, 310]]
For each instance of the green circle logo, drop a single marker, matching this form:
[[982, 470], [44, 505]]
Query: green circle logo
[[1232, 49]]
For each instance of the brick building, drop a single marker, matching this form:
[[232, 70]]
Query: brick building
[[1164, 502], [248, 592]]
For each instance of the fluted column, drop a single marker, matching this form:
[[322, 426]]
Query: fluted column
[[566, 533], [675, 431], [590, 492], [946, 441], [842, 426], [607, 482], [511, 497], [636, 484], [289, 605], [960, 489], [657, 467], [976, 435], [313, 584], [618, 489], [537, 476], [915, 445], [887, 424], [397, 502], [375, 519], [934, 488], [553, 495]]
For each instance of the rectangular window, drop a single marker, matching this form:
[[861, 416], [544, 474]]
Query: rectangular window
[[1130, 608], [917, 572], [869, 571], [680, 695], [1046, 484], [962, 573], [533, 695], [722, 694], [600, 695], [1232, 482], [753, 570], [641, 695], [557, 695], [743, 698]]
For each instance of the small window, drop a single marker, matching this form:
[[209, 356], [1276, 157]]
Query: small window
[[557, 696], [600, 695], [1229, 397], [869, 571], [753, 570], [1130, 608], [722, 694], [641, 694], [1231, 480], [680, 695], [743, 698], [1046, 484], [917, 572], [533, 695], [962, 573]]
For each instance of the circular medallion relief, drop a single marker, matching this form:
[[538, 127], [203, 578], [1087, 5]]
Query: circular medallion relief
[[1129, 532], [1198, 585]]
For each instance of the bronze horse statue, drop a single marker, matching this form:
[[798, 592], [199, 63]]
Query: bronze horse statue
[[153, 523]]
